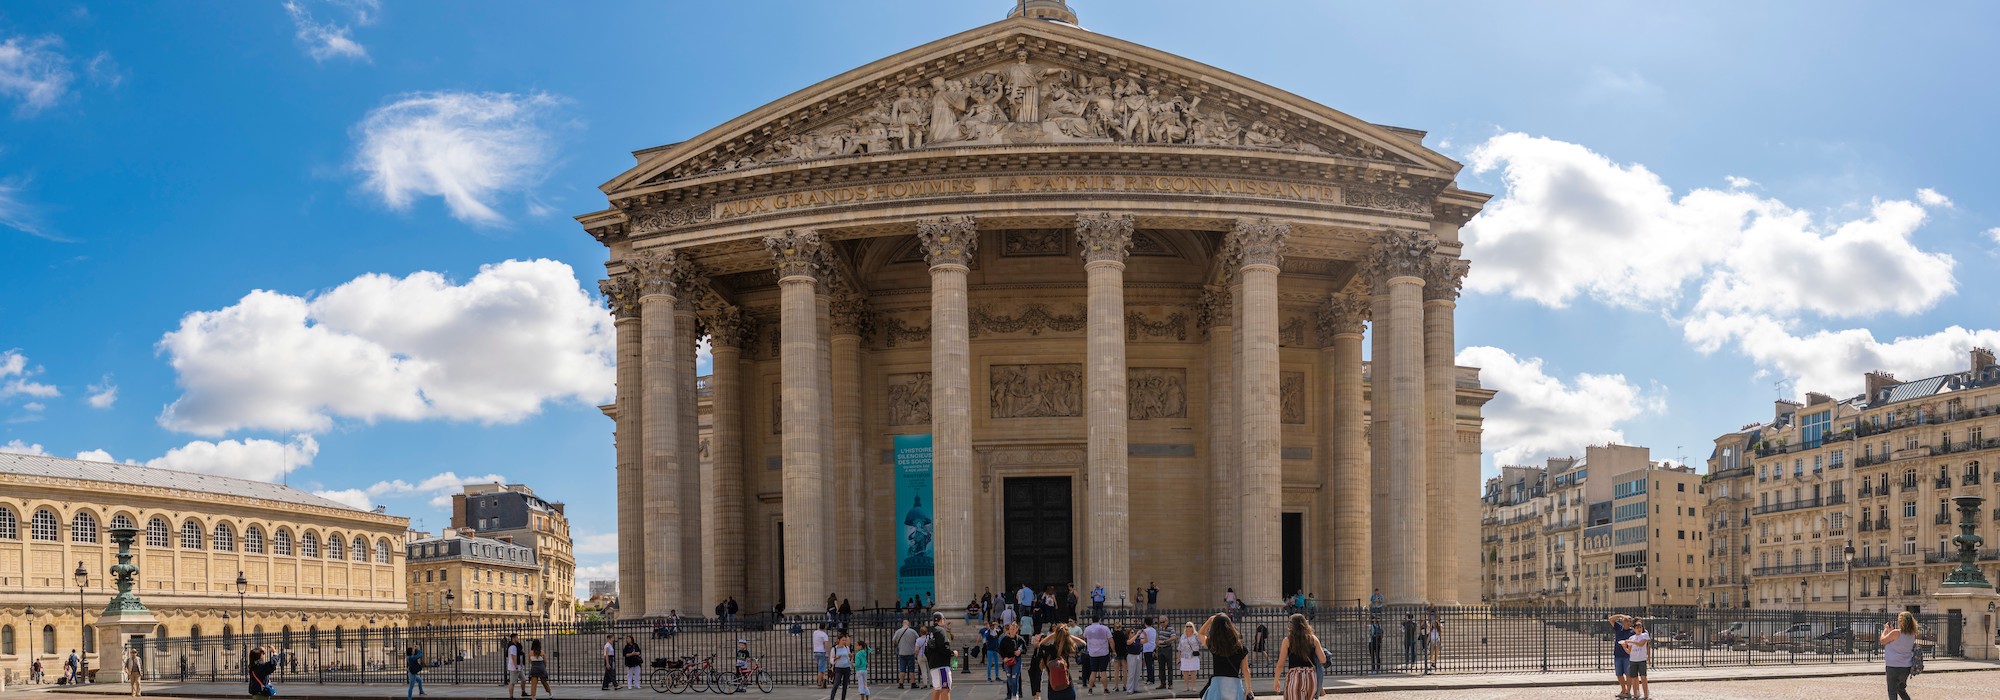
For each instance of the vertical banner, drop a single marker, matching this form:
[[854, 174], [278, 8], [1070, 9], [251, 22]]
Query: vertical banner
[[916, 567]]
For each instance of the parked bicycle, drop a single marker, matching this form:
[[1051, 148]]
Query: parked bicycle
[[740, 680]]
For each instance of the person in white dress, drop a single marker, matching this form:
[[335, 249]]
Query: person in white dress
[[1189, 646]]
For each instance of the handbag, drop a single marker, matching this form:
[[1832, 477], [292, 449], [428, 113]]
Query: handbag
[[264, 686], [1917, 661]]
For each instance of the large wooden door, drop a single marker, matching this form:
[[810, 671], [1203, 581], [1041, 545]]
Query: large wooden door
[[1038, 538]]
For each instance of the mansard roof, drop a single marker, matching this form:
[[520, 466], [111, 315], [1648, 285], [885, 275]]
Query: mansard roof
[[867, 112]]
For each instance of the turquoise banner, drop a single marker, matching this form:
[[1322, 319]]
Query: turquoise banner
[[916, 562]]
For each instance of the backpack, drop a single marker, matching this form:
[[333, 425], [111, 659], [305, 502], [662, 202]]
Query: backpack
[[1058, 675]]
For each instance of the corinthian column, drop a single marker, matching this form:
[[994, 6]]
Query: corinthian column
[[849, 314], [1381, 520], [797, 256], [1442, 277], [1105, 241], [1345, 483], [660, 275], [1220, 311], [622, 293], [722, 486], [687, 335], [949, 245], [1262, 245], [1400, 260]]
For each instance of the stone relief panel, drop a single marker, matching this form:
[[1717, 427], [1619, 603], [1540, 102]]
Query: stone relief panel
[[1032, 318], [1036, 391], [1030, 243], [910, 399], [777, 408], [1292, 398], [1139, 326], [1154, 393], [1293, 333]]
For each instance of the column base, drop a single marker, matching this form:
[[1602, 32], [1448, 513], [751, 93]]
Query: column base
[[1972, 604]]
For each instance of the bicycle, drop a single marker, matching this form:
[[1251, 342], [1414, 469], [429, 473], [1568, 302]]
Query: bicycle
[[674, 676], [741, 679]]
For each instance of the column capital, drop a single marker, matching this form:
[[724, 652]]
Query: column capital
[[948, 240], [621, 295], [1342, 314], [796, 253], [1259, 241], [1443, 277], [659, 271], [1104, 237], [849, 315], [1213, 309], [724, 323], [1400, 254]]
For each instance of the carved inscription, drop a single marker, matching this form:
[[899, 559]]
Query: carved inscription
[[1156, 392], [1036, 391], [1292, 398], [1014, 184], [910, 399]]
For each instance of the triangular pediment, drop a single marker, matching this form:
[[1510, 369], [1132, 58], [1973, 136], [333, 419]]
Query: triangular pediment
[[1026, 82]]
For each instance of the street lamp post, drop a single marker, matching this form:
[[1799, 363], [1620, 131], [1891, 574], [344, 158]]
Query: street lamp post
[[82, 630], [1645, 588], [1849, 553], [1565, 588], [243, 616], [1802, 593]]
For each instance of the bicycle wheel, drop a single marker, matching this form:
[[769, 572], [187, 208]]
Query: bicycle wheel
[[721, 683], [701, 681], [677, 682], [660, 680], [763, 681]]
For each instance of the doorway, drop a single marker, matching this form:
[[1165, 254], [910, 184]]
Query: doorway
[[1292, 546], [1037, 535]]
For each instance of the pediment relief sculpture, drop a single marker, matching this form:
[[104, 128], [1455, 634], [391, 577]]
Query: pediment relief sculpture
[[1030, 100]]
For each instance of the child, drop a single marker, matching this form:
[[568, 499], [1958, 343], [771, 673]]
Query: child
[[861, 654], [1639, 645], [742, 663]]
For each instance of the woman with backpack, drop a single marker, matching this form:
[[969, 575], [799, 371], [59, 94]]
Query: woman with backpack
[[1300, 655], [1232, 660], [1899, 654], [1055, 656]]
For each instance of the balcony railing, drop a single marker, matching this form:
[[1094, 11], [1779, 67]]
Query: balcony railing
[[1783, 506], [1969, 480], [1786, 570], [1833, 567], [1870, 562], [1942, 519], [1836, 499], [1943, 482]]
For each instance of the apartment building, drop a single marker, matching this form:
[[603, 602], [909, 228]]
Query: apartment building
[[1511, 537], [1644, 542], [512, 513], [1729, 487], [1853, 505]]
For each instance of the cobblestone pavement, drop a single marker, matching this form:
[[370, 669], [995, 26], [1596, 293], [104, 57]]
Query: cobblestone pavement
[[1956, 685]]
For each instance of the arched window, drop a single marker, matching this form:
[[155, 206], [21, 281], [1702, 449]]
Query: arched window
[[83, 527], [156, 532], [160, 638], [285, 637], [334, 548], [225, 538], [281, 543], [43, 526], [228, 636], [194, 635], [257, 635], [360, 549], [49, 639], [253, 540], [381, 551], [7, 640], [10, 524], [312, 633], [309, 545], [190, 535], [339, 637], [122, 520]]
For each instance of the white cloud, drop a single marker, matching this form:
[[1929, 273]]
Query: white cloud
[[1833, 362], [100, 455], [22, 448], [257, 460], [464, 147], [1930, 198], [494, 349], [354, 498], [1739, 183], [602, 571], [14, 374], [596, 543], [34, 72], [324, 40], [1536, 415], [1781, 264], [34, 406], [103, 394], [18, 215], [1994, 234], [440, 487]]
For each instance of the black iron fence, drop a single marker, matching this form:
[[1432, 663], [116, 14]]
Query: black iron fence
[[1474, 639]]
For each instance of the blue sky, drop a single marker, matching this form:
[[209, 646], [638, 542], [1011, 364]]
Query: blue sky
[[334, 235]]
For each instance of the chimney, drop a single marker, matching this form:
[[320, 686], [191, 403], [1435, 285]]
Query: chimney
[[1784, 410], [1877, 381], [1982, 358], [1814, 398]]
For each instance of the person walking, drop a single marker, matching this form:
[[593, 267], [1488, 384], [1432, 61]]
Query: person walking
[[1232, 661], [1374, 645], [1135, 659], [1639, 646], [1899, 653], [1298, 654], [1011, 650], [135, 670], [905, 640], [69, 669], [861, 653], [413, 665], [938, 653], [538, 669], [630, 652], [1149, 648], [517, 676], [1097, 647], [1621, 656], [1258, 649], [840, 662], [819, 643], [1187, 649], [1409, 639], [260, 673], [610, 663], [1434, 641], [989, 646], [923, 656], [1054, 658]]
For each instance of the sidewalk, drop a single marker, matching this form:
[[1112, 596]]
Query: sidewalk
[[986, 691]]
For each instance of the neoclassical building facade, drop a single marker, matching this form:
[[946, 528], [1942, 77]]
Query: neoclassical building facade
[[315, 571], [1125, 294]]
